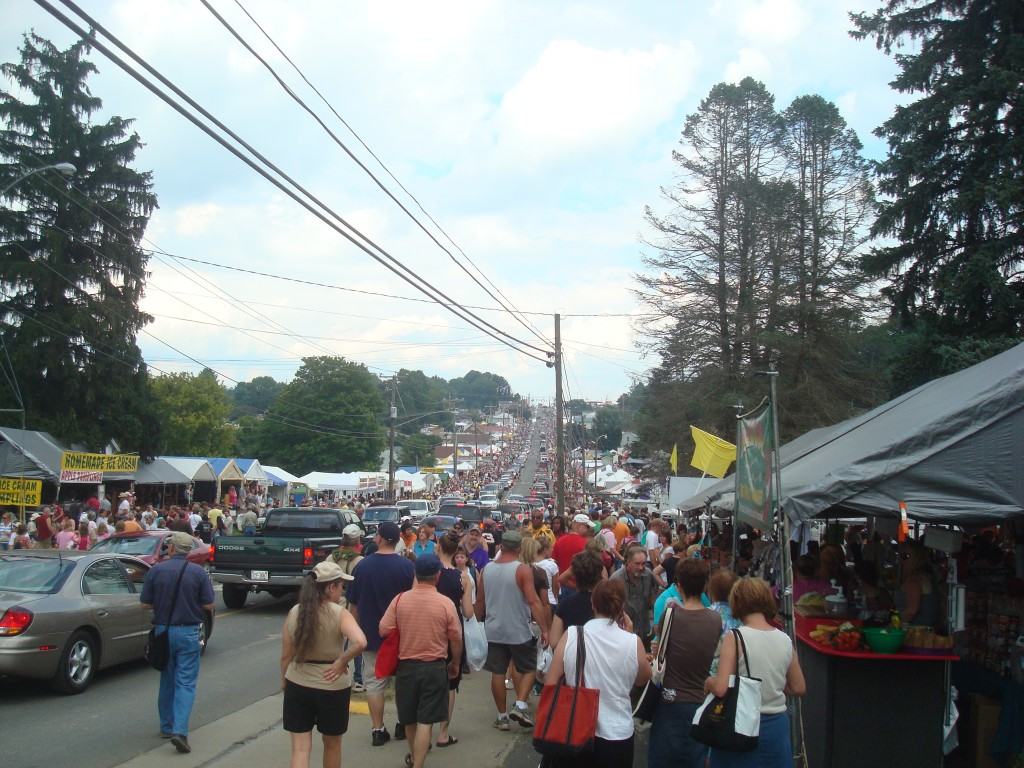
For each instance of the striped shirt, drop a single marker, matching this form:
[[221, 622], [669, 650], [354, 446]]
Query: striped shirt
[[426, 620]]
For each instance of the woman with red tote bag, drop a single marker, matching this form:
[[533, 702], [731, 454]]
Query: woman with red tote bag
[[613, 662]]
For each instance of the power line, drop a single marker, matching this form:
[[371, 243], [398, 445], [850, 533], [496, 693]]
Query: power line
[[307, 200], [298, 100]]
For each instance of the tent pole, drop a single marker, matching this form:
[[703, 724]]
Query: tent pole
[[736, 495]]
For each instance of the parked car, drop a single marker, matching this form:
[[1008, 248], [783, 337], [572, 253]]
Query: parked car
[[291, 541], [417, 509], [488, 501], [468, 512], [64, 615], [442, 523], [149, 546]]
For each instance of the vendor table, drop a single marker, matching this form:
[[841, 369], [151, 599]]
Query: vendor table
[[871, 709]]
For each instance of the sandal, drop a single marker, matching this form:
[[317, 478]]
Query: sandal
[[451, 740]]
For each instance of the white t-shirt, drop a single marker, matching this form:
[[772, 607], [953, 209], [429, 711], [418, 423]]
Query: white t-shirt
[[651, 542], [611, 667], [550, 568], [123, 508], [195, 519]]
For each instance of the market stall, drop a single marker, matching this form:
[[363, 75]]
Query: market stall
[[229, 475], [176, 480], [283, 487]]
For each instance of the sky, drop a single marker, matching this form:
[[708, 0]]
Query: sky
[[533, 132]]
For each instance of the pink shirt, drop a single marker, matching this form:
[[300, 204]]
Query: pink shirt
[[66, 539]]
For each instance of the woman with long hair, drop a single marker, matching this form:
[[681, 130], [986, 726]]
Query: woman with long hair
[[83, 541], [455, 584], [558, 526], [529, 553], [318, 641], [616, 663]]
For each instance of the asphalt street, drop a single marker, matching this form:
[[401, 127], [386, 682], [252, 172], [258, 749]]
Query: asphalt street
[[115, 719], [522, 486]]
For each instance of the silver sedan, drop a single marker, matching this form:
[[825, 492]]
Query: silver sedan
[[66, 615]]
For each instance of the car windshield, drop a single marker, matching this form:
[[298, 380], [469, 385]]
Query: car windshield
[[379, 514], [301, 521], [129, 545], [35, 576]]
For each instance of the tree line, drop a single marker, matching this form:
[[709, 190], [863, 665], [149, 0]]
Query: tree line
[[779, 245]]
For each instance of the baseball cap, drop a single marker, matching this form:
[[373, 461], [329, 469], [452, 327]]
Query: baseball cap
[[329, 570], [427, 565], [389, 531], [583, 519], [182, 541], [511, 540], [352, 531]]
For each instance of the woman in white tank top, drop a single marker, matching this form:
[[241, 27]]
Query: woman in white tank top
[[773, 660], [615, 662]]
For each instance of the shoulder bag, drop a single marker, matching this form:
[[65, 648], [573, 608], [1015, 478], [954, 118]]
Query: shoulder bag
[[567, 715], [387, 654], [158, 646], [647, 704], [733, 722]]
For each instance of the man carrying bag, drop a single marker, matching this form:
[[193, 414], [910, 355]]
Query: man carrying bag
[[180, 595]]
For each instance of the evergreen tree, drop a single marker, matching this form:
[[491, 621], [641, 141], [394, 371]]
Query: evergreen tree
[[72, 270], [952, 180]]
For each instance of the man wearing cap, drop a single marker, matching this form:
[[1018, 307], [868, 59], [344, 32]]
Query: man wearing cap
[[505, 602], [379, 578], [430, 633], [190, 582], [570, 545]]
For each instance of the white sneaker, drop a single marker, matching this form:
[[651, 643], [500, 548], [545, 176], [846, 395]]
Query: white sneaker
[[508, 685]]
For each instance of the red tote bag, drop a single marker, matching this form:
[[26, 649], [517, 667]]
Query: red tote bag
[[567, 715], [387, 654]]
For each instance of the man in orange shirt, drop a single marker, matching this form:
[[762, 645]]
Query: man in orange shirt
[[130, 524], [430, 633], [621, 531]]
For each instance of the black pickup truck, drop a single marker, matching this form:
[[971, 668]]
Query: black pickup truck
[[286, 547]]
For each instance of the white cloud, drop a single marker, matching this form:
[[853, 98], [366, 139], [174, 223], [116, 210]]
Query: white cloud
[[750, 63], [771, 21], [575, 98], [193, 220]]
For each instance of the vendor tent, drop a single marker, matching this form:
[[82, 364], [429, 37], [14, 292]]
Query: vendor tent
[[228, 474], [950, 449], [174, 470], [278, 476], [331, 481], [29, 454], [252, 470]]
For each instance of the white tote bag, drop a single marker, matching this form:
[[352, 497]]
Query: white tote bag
[[731, 722]]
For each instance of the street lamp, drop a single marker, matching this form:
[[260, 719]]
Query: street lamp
[[64, 169]]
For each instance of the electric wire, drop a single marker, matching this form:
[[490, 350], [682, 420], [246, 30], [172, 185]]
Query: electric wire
[[298, 100], [326, 214]]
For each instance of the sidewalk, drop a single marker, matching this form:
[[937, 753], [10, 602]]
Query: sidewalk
[[253, 737]]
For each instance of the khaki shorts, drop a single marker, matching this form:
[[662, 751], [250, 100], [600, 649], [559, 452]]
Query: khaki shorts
[[373, 683]]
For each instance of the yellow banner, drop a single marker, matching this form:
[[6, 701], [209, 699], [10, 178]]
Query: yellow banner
[[99, 462], [711, 454], [16, 491]]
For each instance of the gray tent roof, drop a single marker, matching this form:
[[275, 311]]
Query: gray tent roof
[[26, 453], [950, 449]]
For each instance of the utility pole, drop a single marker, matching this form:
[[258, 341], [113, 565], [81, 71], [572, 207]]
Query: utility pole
[[391, 441], [559, 426]]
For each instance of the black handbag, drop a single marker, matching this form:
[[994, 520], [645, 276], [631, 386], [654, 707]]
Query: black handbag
[[158, 647], [731, 722]]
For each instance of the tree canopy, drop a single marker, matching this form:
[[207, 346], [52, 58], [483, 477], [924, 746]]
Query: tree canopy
[[193, 414], [253, 397], [478, 390], [952, 207], [73, 271]]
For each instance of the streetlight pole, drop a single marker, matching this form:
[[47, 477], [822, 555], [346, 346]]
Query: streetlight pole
[[596, 441], [65, 169]]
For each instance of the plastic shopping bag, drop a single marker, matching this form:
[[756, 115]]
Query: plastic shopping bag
[[476, 644], [544, 656]]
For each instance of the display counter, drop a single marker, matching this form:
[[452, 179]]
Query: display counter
[[877, 709]]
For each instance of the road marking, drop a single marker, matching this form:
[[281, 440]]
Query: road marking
[[359, 707]]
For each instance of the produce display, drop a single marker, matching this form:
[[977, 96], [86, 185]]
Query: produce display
[[844, 637]]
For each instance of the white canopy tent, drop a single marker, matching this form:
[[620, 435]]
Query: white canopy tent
[[174, 470]]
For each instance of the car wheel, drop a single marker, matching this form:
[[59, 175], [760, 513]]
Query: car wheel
[[235, 595], [77, 664]]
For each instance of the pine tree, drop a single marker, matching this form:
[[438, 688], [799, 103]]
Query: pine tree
[[72, 270], [953, 179]]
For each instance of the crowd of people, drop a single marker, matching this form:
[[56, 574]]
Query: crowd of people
[[603, 576]]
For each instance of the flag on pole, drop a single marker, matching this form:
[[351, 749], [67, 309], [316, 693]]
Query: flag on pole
[[673, 460], [711, 454]]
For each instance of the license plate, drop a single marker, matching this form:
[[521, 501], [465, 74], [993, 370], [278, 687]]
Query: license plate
[[259, 575]]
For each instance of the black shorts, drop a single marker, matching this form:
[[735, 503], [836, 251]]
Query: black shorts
[[524, 656], [305, 707], [421, 692]]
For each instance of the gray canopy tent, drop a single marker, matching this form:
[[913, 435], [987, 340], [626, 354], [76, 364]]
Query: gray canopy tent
[[951, 449]]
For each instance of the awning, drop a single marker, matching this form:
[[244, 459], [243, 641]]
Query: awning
[[30, 454], [949, 449], [175, 470], [278, 476], [226, 469], [252, 470]]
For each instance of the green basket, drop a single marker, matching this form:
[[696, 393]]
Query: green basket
[[883, 639]]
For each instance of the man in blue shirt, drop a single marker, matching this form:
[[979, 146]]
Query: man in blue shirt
[[379, 578], [182, 625]]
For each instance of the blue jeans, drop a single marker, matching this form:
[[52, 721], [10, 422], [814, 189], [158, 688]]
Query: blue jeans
[[774, 748], [178, 679], [671, 744]]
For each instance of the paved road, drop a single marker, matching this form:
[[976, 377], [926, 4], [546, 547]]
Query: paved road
[[115, 719], [522, 486]]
